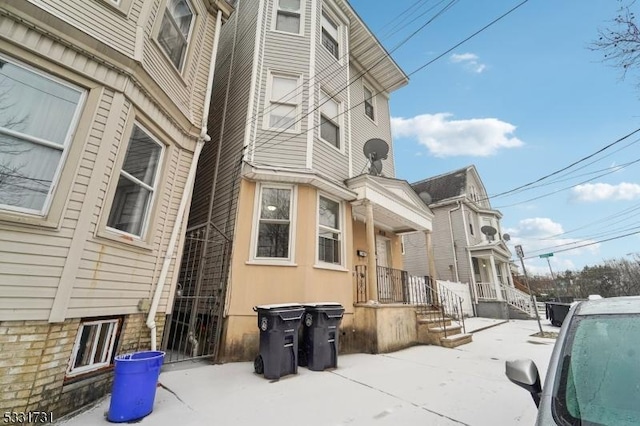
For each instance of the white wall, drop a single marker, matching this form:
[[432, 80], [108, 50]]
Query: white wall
[[461, 290]]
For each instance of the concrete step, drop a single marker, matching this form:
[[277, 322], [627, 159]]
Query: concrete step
[[456, 340], [431, 335], [434, 322]]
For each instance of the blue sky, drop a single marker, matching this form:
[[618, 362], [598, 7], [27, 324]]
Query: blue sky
[[521, 100]]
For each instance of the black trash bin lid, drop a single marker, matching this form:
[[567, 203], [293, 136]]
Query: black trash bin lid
[[278, 306], [322, 304]]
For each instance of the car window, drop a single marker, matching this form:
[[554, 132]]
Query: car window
[[599, 375]]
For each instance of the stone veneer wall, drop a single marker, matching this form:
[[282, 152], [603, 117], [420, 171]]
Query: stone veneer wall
[[34, 356]]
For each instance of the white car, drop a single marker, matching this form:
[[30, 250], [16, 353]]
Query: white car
[[594, 372]]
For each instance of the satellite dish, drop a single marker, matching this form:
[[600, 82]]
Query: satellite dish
[[426, 197], [376, 150], [489, 230], [506, 237], [376, 168]]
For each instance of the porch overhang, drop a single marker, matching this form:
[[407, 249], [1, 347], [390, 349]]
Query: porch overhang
[[396, 206], [299, 176], [497, 249]]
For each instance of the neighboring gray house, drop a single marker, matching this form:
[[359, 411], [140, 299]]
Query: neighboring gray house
[[468, 243]]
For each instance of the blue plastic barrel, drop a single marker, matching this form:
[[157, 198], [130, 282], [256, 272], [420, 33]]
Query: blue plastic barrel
[[134, 385]]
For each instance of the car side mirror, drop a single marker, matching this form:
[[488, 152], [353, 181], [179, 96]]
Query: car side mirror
[[524, 373]]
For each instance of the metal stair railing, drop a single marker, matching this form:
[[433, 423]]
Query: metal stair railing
[[435, 302]]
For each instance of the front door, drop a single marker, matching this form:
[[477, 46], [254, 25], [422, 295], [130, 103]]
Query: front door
[[383, 251], [383, 261]]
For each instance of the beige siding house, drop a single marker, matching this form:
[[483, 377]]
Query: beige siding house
[[102, 107], [468, 243], [283, 194]]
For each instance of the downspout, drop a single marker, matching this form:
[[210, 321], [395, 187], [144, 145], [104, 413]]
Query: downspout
[[453, 243], [202, 138], [472, 277]]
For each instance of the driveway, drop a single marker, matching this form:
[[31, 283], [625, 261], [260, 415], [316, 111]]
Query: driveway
[[422, 385]]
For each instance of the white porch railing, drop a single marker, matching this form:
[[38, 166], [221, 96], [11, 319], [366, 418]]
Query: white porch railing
[[518, 299], [513, 296], [486, 291]]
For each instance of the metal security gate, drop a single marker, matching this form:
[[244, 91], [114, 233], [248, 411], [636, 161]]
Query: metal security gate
[[194, 327]]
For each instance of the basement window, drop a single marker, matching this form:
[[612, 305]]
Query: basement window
[[94, 346]]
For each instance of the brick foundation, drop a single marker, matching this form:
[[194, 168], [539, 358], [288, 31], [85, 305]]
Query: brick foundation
[[34, 357]]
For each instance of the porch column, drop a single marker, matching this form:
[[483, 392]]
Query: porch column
[[494, 275], [372, 276], [431, 260]]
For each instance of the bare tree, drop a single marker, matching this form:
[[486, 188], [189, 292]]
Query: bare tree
[[620, 41]]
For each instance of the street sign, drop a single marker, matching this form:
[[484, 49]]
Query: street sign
[[519, 251], [542, 256]]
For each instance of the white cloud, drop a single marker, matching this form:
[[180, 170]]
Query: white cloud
[[605, 191], [470, 60], [478, 137], [540, 235]]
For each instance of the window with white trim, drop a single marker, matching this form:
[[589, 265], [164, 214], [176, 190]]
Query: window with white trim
[[284, 102], [329, 120], [94, 346], [369, 103], [330, 35], [273, 239], [38, 117], [137, 185], [329, 231], [175, 30], [289, 16]]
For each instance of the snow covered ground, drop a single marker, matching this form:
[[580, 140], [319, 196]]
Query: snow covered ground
[[422, 385]]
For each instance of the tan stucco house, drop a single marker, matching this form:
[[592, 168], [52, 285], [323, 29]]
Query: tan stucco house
[[284, 200], [102, 106]]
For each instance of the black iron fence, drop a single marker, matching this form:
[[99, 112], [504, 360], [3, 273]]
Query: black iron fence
[[431, 300], [392, 285]]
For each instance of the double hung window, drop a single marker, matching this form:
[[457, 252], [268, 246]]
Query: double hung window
[[329, 231], [329, 120], [38, 117], [137, 185], [284, 102], [175, 30], [330, 35], [274, 223], [288, 16]]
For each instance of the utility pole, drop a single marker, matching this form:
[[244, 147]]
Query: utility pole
[[520, 254]]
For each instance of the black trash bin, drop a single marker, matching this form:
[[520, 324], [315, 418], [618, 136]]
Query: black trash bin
[[279, 325], [319, 347]]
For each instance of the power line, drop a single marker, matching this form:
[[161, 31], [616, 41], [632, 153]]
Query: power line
[[569, 187], [566, 167], [410, 74], [320, 76], [317, 107], [590, 244]]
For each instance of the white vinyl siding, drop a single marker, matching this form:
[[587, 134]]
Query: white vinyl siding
[[363, 129], [38, 117]]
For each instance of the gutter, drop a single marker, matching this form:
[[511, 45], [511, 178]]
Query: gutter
[[453, 243], [202, 138]]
